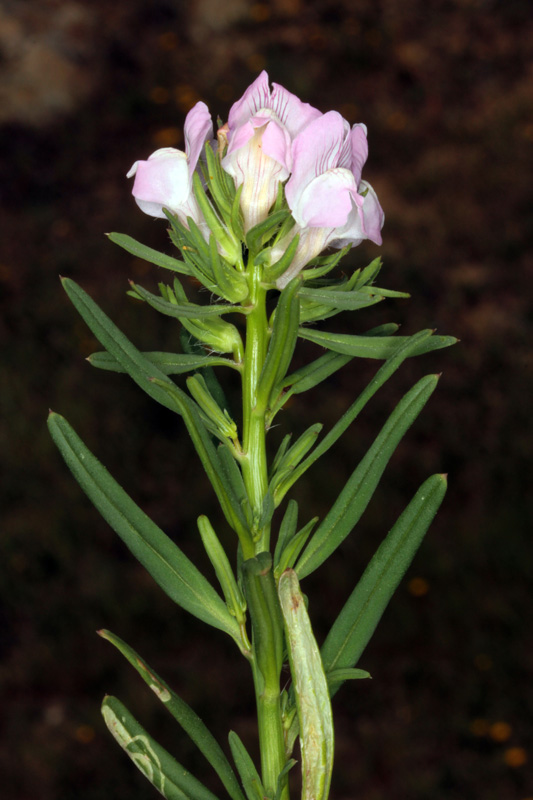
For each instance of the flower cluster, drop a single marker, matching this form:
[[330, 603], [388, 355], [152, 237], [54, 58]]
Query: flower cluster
[[272, 137]]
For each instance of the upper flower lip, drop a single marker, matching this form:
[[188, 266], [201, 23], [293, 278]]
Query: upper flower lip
[[289, 109]]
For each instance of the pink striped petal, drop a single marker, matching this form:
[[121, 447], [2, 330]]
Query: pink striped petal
[[359, 148], [256, 96], [294, 114], [315, 150], [197, 130]]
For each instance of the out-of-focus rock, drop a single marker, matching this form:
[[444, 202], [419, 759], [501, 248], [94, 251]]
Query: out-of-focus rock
[[45, 65]]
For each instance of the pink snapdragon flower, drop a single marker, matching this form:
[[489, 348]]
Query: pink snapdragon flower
[[330, 203], [165, 179], [261, 128]]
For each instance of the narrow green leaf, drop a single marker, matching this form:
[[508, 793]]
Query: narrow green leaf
[[232, 285], [282, 342], [338, 676], [310, 689], [388, 329], [196, 240], [217, 184], [354, 498], [265, 614], [383, 292], [216, 414], [279, 267], [183, 310], [323, 264], [267, 512], [282, 449], [118, 345], [303, 379], [168, 776], [209, 458], [192, 346], [167, 363], [183, 714], [287, 529], [223, 234], [367, 275], [163, 559], [234, 476], [360, 615], [195, 259], [293, 548], [370, 346], [246, 768], [343, 301], [312, 374], [390, 366], [218, 558], [282, 783], [264, 230], [237, 225], [148, 254], [294, 454], [210, 330]]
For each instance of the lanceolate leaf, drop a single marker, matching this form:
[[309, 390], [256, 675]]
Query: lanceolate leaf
[[163, 559], [183, 310], [148, 254], [167, 363], [354, 498], [371, 346], [168, 776], [337, 676], [134, 362], [358, 619], [294, 547], [312, 374], [282, 342], [343, 301], [183, 713], [287, 529], [263, 231], [382, 375], [246, 768], [210, 460]]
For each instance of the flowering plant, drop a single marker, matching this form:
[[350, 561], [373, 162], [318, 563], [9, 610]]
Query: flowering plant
[[251, 214]]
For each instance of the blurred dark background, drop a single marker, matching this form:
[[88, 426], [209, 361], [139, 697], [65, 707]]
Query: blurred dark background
[[446, 89]]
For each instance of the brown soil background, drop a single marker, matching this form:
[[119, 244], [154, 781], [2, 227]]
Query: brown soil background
[[446, 89]]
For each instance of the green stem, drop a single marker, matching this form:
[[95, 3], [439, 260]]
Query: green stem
[[267, 659], [254, 463], [263, 604]]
